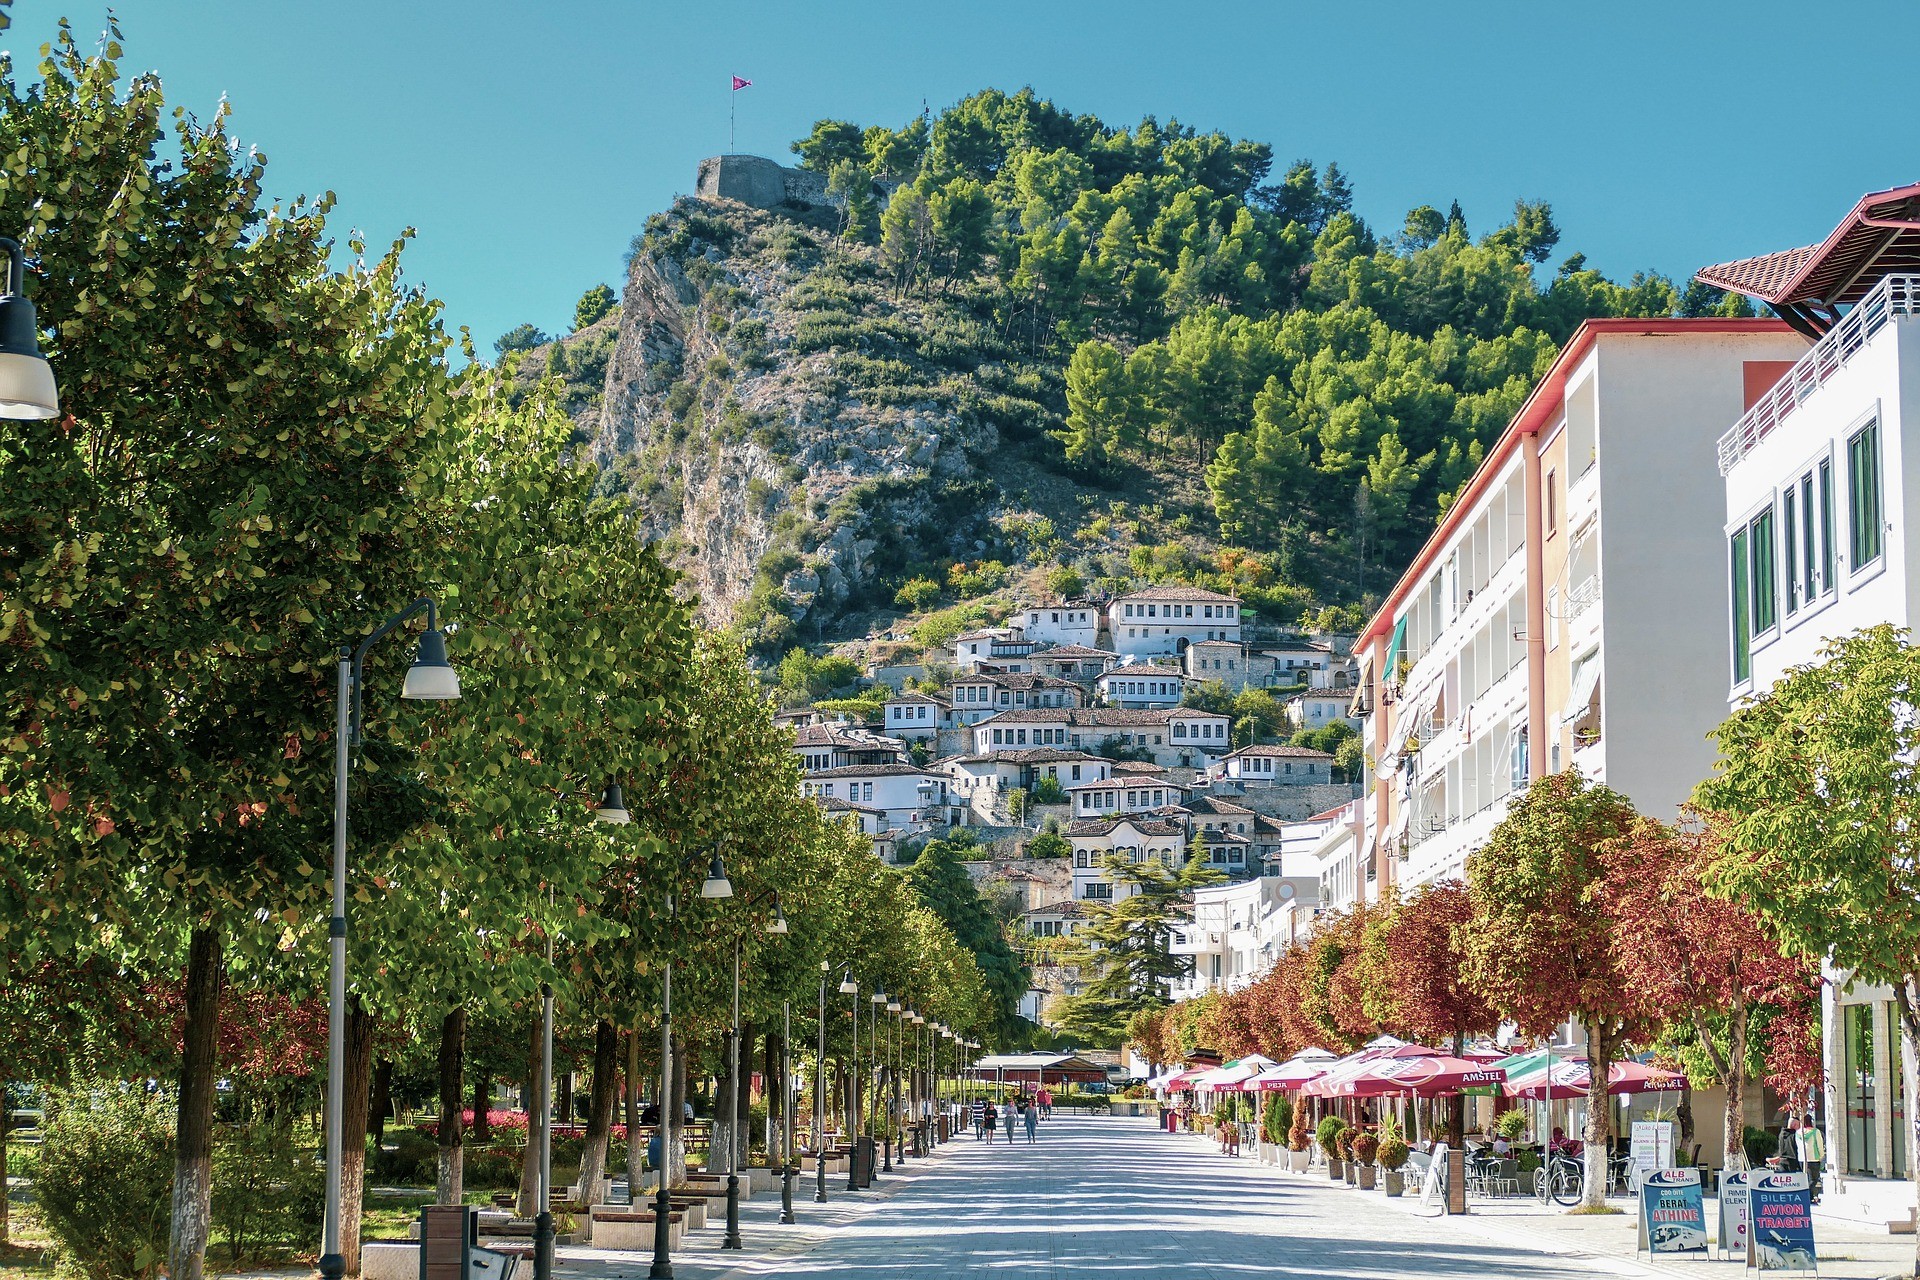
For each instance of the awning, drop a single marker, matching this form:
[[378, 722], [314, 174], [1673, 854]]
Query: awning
[[1394, 646], [1337, 1074], [1586, 682], [1571, 1078], [1037, 1068], [1291, 1074], [1228, 1078], [1427, 1076]]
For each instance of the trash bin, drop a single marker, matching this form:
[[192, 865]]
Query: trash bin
[[862, 1156]]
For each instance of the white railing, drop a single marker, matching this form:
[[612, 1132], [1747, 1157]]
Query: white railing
[[1583, 597], [1894, 296]]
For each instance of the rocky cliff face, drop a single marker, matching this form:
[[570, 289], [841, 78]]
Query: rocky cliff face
[[797, 437]]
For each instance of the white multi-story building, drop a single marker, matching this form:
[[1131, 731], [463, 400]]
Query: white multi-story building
[[1553, 619], [1276, 765], [1074, 623], [983, 693], [1820, 474], [910, 798], [1170, 619], [1127, 839], [1002, 648], [1177, 737], [1318, 708], [1237, 932], [916, 717], [1123, 793], [1141, 686], [825, 746]]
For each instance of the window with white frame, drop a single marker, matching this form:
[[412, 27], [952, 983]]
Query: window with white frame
[[1863, 496]]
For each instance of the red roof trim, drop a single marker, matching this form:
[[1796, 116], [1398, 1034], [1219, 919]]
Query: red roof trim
[[1542, 406], [1816, 256]]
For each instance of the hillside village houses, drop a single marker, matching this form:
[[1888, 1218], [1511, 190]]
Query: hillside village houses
[[1168, 619], [1818, 475], [1142, 686]]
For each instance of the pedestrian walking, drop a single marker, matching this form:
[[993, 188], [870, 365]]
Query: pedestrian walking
[[1813, 1156], [1046, 1103], [991, 1117], [1031, 1113], [979, 1119], [1008, 1117]]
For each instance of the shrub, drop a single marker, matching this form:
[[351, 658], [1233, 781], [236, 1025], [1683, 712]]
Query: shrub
[[1331, 1127], [105, 1183], [1065, 582], [265, 1193], [1297, 1135], [917, 594], [1277, 1118], [491, 1168], [1393, 1145], [412, 1161], [1364, 1146], [1759, 1145], [1511, 1125], [1048, 791]]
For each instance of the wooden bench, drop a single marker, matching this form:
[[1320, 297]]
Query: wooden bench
[[633, 1229], [711, 1185]]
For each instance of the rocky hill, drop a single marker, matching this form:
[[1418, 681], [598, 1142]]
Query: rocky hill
[[1015, 350]]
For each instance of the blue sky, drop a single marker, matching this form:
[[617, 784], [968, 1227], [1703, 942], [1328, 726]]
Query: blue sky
[[527, 142]]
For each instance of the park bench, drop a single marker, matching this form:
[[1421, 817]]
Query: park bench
[[715, 1184], [618, 1227]]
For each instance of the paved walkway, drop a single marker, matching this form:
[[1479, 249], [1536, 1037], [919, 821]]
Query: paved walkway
[[1095, 1196]]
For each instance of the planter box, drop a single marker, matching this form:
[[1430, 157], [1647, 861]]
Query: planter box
[[1297, 1160], [1367, 1172], [1396, 1182], [1334, 1171]]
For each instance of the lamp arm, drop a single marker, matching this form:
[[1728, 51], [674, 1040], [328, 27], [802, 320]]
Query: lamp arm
[[379, 633], [16, 265]]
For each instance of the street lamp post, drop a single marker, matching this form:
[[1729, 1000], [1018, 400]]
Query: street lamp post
[[820, 1098], [716, 885], [430, 679], [876, 1111], [27, 391], [732, 1240], [848, 987], [788, 1165]]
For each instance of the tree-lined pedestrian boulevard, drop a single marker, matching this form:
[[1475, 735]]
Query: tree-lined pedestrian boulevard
[[1106, 1196]]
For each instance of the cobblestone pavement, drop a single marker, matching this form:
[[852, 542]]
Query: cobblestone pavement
[[1094, 1197]]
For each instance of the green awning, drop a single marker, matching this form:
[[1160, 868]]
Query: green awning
[[1394, 647]]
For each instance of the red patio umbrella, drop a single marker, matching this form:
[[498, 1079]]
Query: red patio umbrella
[[1431, 1075], [1572, 1078]]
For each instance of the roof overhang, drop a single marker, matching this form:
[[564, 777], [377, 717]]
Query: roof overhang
[[1808, 286]]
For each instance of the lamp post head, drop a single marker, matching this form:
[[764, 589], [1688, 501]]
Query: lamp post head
[[613, 807], [779, 924], [848, 987], [893, 1006], [716, 885], [825, 967], [431, 678], [27, 391]]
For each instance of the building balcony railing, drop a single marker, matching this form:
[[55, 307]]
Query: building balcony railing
[[1893, 297], [1583, 597]]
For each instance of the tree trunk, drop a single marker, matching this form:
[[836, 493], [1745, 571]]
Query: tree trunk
[[1904, 997], [743, 1101], [636, 1146], [193, 1135], [354, 1088], [774, 1088], [566, 1097], [6, 1118], [673, 1114], [606, 1072], [1457, 1121], [1599, 1117], [382, 1105], [482, 1100], [528, 1202], [453, 1033]]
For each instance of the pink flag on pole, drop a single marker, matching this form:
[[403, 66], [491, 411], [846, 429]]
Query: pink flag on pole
[[739, 84]]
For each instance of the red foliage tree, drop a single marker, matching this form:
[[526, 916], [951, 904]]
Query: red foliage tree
[[1704, 960], [1425, 974]]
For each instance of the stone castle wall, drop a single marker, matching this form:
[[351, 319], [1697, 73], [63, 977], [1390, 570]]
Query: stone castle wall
[[760, 182]]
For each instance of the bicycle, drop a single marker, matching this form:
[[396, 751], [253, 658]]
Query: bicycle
[[1562, 1179]]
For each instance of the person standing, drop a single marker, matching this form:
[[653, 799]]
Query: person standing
[[979, 1119], [1813, 1156], [1008, 1117], [1046, 1103], [1031, 1113], [992, 1117]]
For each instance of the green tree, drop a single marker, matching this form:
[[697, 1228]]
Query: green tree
[[1542, 947], [1103, 414], [1123, 952], [594, 305], [1819, 816], [943, 885], [830, 143], [522, 337], [917, 594]]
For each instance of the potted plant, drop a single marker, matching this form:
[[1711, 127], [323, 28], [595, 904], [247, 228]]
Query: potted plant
[[1327, 1135], [1349, 1166], [1275, 1120], [1365, 1148], [1393, 1156], [1299, 1140]]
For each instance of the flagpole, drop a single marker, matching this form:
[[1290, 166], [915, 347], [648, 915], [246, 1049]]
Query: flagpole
[[731, 95]]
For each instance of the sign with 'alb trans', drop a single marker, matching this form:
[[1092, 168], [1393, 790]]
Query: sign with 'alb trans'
[[1673, 1218], [1780, 1223]]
